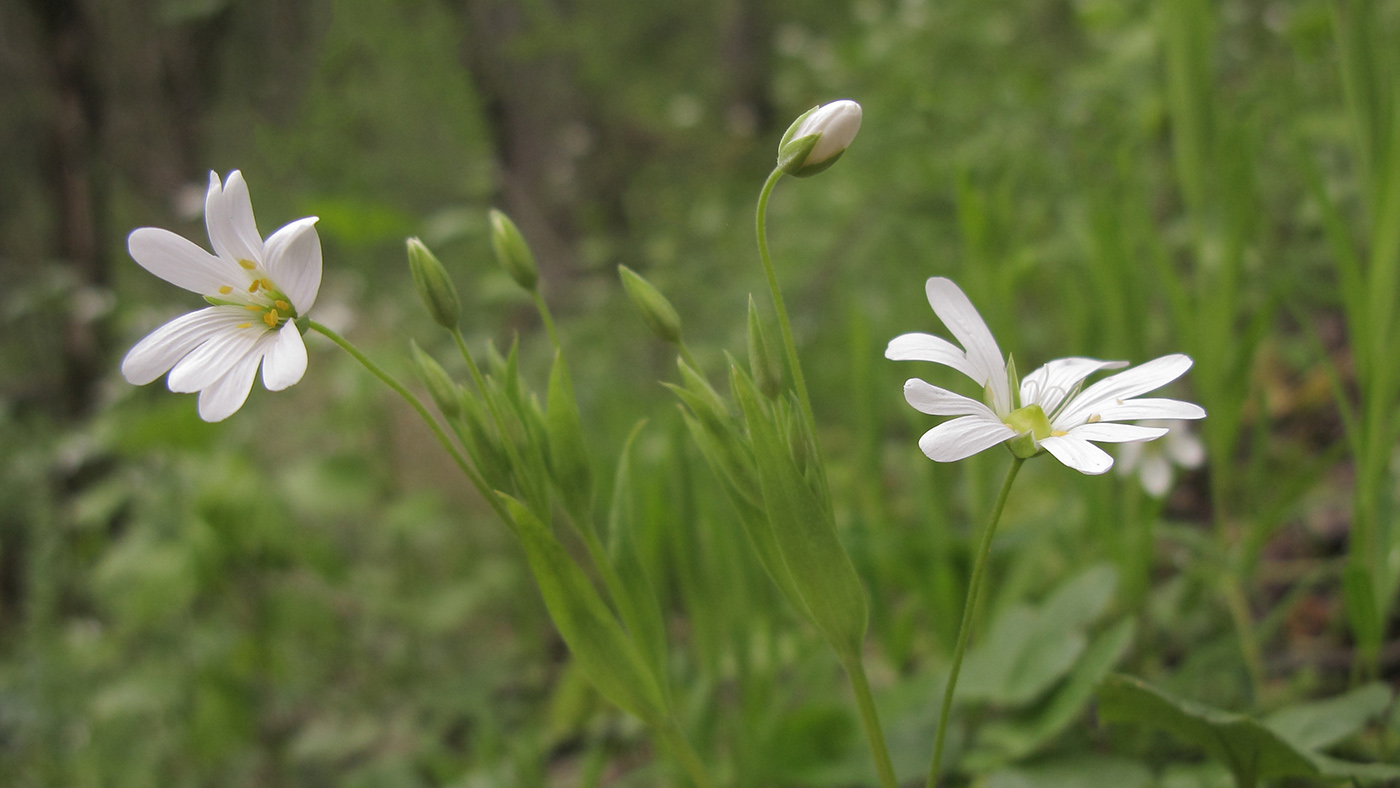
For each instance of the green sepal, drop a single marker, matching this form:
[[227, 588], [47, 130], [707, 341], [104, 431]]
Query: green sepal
[[439, 384], [792, 155], [597, 641], [638, 605], [763, 364], [724, 450], [821, 569], [794, 126], [482, 442], [809, 170], [568, 451]]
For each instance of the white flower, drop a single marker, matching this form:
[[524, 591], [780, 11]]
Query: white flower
[[836, 123], [256, 288], [1153, 462], [1046, 410]]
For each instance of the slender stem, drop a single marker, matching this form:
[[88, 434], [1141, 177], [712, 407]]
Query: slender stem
[[548, 320], [476, 479], [679, 746], [1238, 605], [964, 631], [799, 382], [855, 671], [512, 451]]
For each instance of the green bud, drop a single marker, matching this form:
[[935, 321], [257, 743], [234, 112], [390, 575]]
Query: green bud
[[434, 285], [658, 313], [763, 365], [437, 381], [512, 252]]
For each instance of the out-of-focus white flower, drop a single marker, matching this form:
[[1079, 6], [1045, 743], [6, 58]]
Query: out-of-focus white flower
[[1153, 462], [257, 289], [828, 130], [1044, 411]]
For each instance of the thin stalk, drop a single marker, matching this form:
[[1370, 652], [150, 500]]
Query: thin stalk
[[1238, 605], [870, 720], [965, 630], [545, 317], [476, 479], [799, 382], [512, 451]]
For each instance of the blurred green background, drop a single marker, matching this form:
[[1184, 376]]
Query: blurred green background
[[307, 595]]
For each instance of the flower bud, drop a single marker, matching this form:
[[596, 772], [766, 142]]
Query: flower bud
[[653, 306], [438, 383], [818, 138], [434, 285], [512, 252]]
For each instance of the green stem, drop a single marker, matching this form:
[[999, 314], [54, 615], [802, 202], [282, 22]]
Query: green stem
[[870, 720], [548, 320], [789, 345], [1238, 605], [512, 451], [965, 630], [476, 479], [680, 747]]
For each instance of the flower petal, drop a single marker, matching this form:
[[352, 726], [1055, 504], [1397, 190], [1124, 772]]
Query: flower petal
[[1080, 455], [1130, 383], [215, 358], [983, 355], [1105, 432], [940, 402], [285, 360], [181, 262], [226, 395], [1048, 385], [228, 215], [927, 347], [1155, 475], [294, 262], [158, 352], [1185, 449], [1152, 408], [963, 437]]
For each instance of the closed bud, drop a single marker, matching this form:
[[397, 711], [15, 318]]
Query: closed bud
[[512, 252], [434, 285], [438, 383], [658, 313], [763, 365], [818, 138]]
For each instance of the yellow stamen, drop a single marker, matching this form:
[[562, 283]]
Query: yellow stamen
[[282, 305], [1058, 433], [248, 264], [244, 325], [1094, 419], [270, 318], [253, 308], [225, 290], [253, 288], [266, 284]]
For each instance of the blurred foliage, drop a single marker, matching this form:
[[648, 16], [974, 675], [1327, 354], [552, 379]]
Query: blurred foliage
[[307, 595]]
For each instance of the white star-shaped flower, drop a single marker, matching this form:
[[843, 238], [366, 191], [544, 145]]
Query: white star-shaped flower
[[1044, 411], [257, 289]]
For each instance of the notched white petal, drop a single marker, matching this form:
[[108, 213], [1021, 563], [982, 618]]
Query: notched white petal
[[1117, 389], [1151, 408], [294, 262], [181, 262], [1104, 432], [962, 319], [963, 437], [213, 359], [228, 215], [927, 347], [226, 395], [1078, 454], [162, 348], [935, 401], [285, 360]]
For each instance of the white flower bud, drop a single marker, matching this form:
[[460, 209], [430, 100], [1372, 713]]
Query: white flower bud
[[817, 139]]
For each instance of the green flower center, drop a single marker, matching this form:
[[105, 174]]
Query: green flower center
[[1030, 419]]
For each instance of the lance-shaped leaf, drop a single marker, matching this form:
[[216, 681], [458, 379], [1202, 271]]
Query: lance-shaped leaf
[[568, 453], [599, 646], [641, 612], [805, 533]]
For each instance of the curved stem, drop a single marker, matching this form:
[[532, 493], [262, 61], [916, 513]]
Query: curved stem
[[545, 317], [871, 722], [679, 745], [476, 479], [799, 382], [965, 630]]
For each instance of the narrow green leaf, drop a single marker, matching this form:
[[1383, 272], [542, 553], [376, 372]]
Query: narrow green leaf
[[806, 535], [596, 640], [568, 451]]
